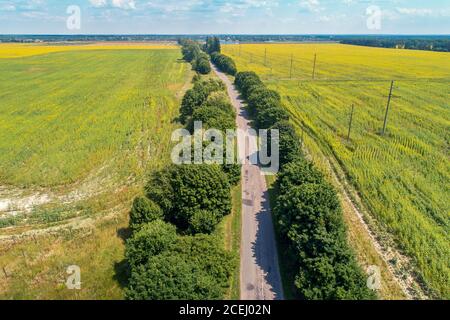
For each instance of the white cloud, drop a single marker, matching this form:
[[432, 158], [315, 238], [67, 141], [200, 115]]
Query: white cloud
[[98, 3], [240, 7], [120, 4], [124, 4], [7, 7], [311, 5], [415, 11]]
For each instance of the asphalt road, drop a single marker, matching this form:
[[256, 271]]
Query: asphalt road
[[260, 275]]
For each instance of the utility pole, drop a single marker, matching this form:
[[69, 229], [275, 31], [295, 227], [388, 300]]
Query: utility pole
[[314, 67], [265, 57], [292, 62], [387, 107], [350, 123]]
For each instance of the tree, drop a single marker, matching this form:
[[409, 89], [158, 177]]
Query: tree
[[151, 239], [203, 221], [143, 211], [289, 145], [224, 63], [197, 268], [212, 45], [171, 277], [266, 118], [261, 98], [202, 65], [190, 50], [297, 173], [196, 96], [183, 190]]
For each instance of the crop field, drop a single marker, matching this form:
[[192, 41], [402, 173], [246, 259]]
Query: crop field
[[65, 114], [82, 126], [402, 176], [17, 50]]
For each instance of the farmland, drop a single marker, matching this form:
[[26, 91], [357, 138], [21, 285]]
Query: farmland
[[81, 127], [403, 176]]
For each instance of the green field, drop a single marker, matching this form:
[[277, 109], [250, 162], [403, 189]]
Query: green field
[[91, 121], [402, 177], [64, 115]]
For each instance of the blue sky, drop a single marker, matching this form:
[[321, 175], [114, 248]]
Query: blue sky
[[226, 16]]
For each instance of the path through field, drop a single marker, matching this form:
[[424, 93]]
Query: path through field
[[260, 275]]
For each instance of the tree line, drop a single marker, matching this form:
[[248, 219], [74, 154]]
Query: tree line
[[199, 56], [192, 52], [174, 251], [307, 210], [422, 43]]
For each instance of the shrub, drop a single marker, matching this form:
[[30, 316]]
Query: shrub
[[202, 65], [261, 98], [224, 63], [266, 118], [171, 277], [289, 143], [192, 53], [297, 173], [245, 80], [197, 269], [202, 221], [183, 190], [143, 211], [196, 96], [212, 45], [151, 239]]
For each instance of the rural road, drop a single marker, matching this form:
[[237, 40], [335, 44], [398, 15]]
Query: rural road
[[260, 275]]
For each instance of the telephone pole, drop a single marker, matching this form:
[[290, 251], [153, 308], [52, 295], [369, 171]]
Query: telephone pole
[[265, 57], [387, 107], [314, 66], [350, 123], [292, 62]]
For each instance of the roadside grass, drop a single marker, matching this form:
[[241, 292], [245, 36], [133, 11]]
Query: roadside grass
[[402, 177], [231, 227]]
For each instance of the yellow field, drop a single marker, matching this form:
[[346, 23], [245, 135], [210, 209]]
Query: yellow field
[[336, 61], [16, 50], [402, 177]]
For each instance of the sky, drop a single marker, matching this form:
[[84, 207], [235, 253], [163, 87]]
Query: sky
[[224, 17]]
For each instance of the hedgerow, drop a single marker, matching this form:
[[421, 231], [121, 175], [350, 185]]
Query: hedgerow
[[224, 63], [193, 53]]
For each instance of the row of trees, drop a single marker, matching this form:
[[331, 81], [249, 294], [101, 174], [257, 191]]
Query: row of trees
[[212, 45], [208, 102], [307, 208], [174, 251], [224, 63], [402, 42], [193, 53]]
